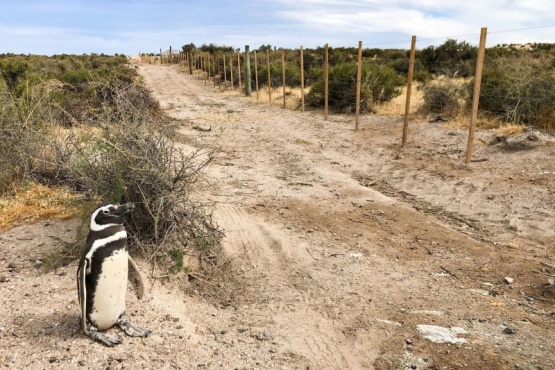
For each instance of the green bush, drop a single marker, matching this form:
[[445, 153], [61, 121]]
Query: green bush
[[379, 84], [12, 69], [76, 77], [452, 58]]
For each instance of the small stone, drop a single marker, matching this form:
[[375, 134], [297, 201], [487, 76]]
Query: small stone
[[157, 339], [509, 280], [533, 137], [509, 330], [81, 363], [267, 334], [38, 264], [62, 273]]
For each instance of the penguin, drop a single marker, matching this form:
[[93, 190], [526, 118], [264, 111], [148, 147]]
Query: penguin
[[104, 270]]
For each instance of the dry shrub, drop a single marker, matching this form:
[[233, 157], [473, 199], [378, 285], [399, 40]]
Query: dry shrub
[[118, 152], [445, 97], [519, 89], [134, 160]]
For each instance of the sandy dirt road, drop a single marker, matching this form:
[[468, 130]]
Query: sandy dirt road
[[341, 246]]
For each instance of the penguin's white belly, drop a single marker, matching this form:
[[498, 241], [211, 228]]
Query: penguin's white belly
[[109, 298]]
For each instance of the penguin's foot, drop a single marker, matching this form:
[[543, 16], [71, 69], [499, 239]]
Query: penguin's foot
[[130, 329], [109, 340]]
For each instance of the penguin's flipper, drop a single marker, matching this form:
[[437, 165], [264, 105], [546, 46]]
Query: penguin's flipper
[[130, 329], [109, 340], [135, 279], [82, 289]]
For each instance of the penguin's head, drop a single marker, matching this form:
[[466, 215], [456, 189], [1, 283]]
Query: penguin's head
[[110, 215]]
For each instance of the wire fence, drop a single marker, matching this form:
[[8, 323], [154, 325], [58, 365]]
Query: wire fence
[[508, 83]]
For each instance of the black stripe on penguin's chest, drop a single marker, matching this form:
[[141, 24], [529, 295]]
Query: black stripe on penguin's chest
[[97, 259]]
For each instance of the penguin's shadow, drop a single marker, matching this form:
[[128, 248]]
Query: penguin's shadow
[[58, 324]]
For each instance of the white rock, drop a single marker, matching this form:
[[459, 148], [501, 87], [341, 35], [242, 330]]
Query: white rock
[[440, 334]]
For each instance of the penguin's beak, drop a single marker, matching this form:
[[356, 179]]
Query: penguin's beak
[[124, 209]]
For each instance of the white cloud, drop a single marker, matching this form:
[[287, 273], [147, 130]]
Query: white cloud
[[425, 18], [65, 26]]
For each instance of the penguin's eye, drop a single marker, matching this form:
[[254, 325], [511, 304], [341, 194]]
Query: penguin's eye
[[105, 211]]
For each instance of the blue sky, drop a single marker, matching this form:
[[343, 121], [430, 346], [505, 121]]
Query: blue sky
[[125, 26]]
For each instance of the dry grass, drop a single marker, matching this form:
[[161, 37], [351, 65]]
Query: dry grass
[[493, 124], [292, 96], [510, 129], [30, 202], [396, 107], [458, 123]]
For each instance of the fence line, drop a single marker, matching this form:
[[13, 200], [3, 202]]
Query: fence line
[[345, 88]]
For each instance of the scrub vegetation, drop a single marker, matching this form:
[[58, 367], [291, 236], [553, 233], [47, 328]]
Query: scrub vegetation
[[517, 84], [87, 125]]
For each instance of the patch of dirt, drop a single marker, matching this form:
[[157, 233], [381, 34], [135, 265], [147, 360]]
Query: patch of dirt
[[338, 245]]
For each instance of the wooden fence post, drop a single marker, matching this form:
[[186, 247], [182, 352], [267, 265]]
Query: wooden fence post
[[205, 69], [216, 69], [476, 92], [409, 87], [283, 74], [190, 57], [170, 60], [231, 70], [256, 73], [326, 83], [209, 67], [302, 80], [359, 83], [160, 55], [219, 72], [239, 70], [248, 83], [269, 77], [225, 74]]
